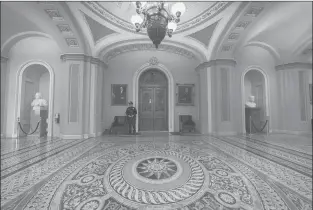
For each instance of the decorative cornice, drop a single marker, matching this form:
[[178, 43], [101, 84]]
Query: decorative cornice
[[4, 59], [217, 62], [202, 18], [141, 47], [82, 57], [294, 66]]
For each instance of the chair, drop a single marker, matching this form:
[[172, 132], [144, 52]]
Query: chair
[[186, 123], [119, 125]]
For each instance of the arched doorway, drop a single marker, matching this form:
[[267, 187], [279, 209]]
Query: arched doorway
[[35, 76], [153, 101], [254, 99]]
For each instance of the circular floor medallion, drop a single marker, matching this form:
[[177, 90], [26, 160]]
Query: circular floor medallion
[[156, 170], [156, 177]]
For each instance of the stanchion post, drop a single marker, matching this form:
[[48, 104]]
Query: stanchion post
[[40, 124], [268, 127], [17, 127], [250, 126]]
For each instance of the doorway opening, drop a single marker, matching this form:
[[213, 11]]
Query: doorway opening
[[153, 101]]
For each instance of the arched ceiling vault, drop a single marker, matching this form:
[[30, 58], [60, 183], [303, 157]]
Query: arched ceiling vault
[[209, 30], [104, 24], [284, 29], [21, 20]]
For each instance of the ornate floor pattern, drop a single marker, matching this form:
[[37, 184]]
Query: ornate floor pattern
[[155, 172]]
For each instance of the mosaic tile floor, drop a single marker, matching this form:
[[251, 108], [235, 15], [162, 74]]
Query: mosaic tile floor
[[157, 172]]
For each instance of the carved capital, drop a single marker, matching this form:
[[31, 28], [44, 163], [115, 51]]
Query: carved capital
[[99, 62], [4, 59], [217, 62], [84, 58], [294, 66]]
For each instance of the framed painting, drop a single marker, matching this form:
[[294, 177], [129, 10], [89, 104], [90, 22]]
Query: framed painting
[[185, 94], [118, 94]]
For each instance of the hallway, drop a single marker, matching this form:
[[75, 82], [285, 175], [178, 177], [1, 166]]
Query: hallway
[[157, 172]]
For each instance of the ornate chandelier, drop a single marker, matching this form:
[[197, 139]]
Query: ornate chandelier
[[157, 19]]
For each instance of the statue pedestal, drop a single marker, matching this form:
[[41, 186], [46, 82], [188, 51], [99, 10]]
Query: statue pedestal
[[37, 114], [255, 116]]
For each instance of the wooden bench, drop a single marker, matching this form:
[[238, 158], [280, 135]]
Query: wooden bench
[[119, 125], [186, 123]]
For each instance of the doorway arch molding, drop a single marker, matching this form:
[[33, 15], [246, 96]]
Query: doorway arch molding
[[170, 80], [266, 90], [18, 97]]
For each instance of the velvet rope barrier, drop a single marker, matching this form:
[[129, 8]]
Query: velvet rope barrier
[[256, 127], [31, 132]]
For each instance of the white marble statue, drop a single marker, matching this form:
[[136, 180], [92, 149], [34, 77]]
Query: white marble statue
[[250, 103], [38, 102]]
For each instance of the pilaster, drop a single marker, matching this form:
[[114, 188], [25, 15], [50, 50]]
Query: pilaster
[[217, 82], [82, 72], [4, 74], [295, 113]]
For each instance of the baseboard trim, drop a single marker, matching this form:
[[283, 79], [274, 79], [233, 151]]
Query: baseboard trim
[[62, 136], [225, 133], [292, 132], [86, 136], [93, 135]]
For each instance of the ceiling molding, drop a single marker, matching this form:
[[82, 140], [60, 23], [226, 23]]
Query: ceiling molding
[[54, 14], [217, 62], [65, 29], [253, 11], [214, 10], [83, 57], [147, 47], [72, 42], [294, 66]]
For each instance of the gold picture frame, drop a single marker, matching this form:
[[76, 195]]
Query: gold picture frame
[[185, 94]]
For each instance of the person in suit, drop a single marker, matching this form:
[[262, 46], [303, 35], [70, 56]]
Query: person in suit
[[186, 97], [131, 113], [119, 96]]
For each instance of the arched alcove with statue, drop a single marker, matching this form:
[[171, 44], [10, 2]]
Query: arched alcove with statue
[[34, 98], [255, 100]]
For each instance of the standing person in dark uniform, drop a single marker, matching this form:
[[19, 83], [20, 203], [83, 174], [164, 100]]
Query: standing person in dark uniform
[[131, 117]]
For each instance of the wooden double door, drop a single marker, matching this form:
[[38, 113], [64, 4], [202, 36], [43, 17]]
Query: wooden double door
[[153, 115]]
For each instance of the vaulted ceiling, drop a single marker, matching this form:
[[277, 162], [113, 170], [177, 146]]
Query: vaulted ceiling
[[207, 30]]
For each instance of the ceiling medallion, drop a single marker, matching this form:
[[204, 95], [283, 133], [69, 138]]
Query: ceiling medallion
[[154, 61], [157, 19]]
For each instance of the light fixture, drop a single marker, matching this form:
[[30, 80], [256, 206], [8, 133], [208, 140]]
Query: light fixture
[[157, 19]]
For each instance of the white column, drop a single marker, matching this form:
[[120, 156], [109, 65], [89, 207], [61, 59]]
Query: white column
[[93, 100], [205, 102], [4, 73]]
